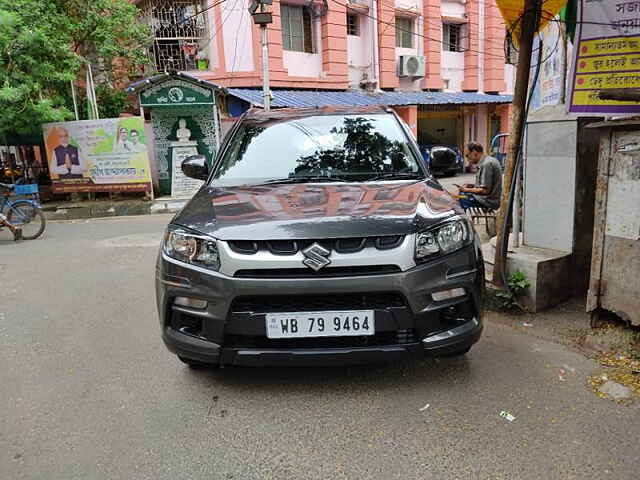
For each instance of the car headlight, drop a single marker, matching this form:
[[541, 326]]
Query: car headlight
[[190, 248], [443, 239]]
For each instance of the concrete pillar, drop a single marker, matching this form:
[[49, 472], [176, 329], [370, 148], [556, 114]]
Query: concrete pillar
[[387, 45], [494, 49], [334, 43], [274, 31], [471, 60], [432, 45], [409, 114], [505, 118]]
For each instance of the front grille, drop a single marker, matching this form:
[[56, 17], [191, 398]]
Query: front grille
[[324, 273], [338, 245], [313, 303], [398, 337]]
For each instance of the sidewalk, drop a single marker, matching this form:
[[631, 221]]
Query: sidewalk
[[111, 208]]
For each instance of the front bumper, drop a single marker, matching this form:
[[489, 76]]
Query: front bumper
[[446, 342], [227, 336]]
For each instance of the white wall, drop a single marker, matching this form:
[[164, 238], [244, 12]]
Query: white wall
[[481, 42], [483, 127], [301, 64], [359, 49], [409, 4], [453, 9], [237, 35], [453, 70], [550, 173], [509, 78], [476, 124], [452, 63], [408, 83], [212, 48]]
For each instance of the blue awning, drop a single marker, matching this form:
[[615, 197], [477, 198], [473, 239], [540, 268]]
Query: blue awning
[[307, 98], [325, 98]]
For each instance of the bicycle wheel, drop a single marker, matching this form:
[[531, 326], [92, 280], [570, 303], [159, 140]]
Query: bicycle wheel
[[28, 217]]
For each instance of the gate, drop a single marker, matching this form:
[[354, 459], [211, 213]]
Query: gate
[[615, 266]]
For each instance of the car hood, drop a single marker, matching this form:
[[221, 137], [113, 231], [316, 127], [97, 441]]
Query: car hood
[[316, 211]]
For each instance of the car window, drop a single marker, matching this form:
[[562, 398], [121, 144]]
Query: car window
[[347, 147]]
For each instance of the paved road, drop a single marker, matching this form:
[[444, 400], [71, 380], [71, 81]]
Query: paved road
[[448, 182], [89, 392]]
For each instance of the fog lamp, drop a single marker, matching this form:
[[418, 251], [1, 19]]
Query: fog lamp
[[190, 302], [443, 295]]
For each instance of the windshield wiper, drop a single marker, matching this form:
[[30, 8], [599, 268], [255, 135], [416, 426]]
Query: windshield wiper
[[395, 176], [305, 179]]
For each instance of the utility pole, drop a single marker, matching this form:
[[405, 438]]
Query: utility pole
[[528, 28], [262, 18]]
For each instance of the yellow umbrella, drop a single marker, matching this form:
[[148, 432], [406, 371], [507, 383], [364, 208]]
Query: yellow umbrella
[[512, 11]]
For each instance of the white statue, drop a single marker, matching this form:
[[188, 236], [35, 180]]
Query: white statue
[[183, 133]]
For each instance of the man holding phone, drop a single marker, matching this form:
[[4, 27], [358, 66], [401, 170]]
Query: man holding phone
[[486, 192]]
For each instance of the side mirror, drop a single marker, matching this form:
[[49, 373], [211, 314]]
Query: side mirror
[[196, 167]]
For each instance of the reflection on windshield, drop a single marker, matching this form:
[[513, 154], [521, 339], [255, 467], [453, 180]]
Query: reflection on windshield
[[350, 147], [306, 201]]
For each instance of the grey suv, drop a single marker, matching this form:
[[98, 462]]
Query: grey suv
[[318, 239]]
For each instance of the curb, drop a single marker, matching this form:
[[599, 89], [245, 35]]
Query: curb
[[81, 212]]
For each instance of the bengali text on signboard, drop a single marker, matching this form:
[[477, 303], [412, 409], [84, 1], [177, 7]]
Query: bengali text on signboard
[[607, 55], [108, 155]]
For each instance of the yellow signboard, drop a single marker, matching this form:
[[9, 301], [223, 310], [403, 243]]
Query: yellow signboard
[[607, 55]]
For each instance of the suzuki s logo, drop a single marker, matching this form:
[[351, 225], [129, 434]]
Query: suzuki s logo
[[316, 257]]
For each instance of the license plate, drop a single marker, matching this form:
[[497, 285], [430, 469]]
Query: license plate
[[320, 324]]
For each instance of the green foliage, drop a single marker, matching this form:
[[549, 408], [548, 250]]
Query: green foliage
[[45, 44], [105, 30], [35, 65], [517, 283], [111, 102]]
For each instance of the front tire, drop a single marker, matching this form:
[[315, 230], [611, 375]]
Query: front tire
[[28, 217]]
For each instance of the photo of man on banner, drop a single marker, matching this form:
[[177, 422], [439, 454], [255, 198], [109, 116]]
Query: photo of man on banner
[[67, 162]]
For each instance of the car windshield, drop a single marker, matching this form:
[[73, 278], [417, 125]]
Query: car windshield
[[318, 148]]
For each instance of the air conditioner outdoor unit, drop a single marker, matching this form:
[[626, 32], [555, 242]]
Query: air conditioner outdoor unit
[[411, 66]]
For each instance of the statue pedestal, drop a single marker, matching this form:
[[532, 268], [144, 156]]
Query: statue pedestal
[[181, 185]]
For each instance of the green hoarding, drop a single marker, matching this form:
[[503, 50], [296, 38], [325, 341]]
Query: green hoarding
[[176, 93]]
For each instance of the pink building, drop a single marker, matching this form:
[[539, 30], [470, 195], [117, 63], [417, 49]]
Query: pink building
[[439, 63]]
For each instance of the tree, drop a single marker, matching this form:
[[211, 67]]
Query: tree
[[46, 44], [364, 150], [107, 30]]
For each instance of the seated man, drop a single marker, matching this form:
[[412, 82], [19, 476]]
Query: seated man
[[486, 192]]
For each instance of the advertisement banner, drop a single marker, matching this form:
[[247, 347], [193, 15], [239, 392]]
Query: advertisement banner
[[607, 55], [548, 88], [108, 155]]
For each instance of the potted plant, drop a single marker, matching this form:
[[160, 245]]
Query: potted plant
[[203, 61]]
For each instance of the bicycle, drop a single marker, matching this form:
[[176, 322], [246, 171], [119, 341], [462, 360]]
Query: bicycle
[[23, 216]]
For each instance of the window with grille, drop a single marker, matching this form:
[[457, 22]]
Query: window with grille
[[353, 26], [297, 28], [452, 37], [179, 30], [404, 32]]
